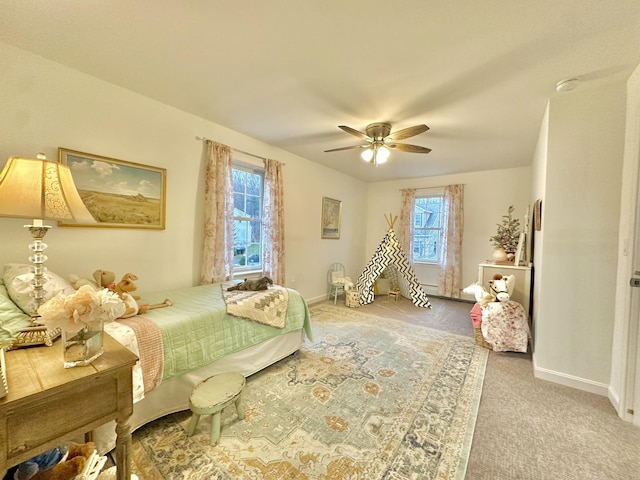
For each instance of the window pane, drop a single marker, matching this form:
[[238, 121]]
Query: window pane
[[239, 179], [238, 205], [247, 201], [254, 184], [428, 222], [253, 206], [426, 246]]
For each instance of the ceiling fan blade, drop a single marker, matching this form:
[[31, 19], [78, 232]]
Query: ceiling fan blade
[[355, 132], [408, 132], [347, 148], [405, 147]]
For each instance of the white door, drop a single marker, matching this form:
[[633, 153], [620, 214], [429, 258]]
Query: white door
[[632, 406]]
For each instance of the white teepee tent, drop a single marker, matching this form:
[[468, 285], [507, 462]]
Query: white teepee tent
[[390, 254]]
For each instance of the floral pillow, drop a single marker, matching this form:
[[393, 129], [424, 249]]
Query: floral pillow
[[17, 279], [12, 319]]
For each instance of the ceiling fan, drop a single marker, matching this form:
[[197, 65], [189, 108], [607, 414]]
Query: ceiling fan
[[380, 140]]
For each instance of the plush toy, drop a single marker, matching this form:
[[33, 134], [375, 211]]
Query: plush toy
[[502, 287], [482, 296], [252, 285], [101, 278], [124, 288], [53, 465]]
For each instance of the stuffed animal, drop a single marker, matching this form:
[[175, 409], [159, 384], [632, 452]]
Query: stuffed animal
[[53, 465], [482, 296], [502, 287], [252, 285], [101, 278], [123, 289], [126, 285]]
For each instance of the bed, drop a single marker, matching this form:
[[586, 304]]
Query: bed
[[199, 339], [191, 340]]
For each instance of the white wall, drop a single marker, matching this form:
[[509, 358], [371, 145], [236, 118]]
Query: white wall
[[46, 105], [576, 272], [487, 196]]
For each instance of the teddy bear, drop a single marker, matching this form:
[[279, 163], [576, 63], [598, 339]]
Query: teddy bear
[[54, 465], [101, 278]]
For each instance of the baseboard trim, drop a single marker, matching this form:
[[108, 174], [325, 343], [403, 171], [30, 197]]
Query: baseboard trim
[[571, 381]]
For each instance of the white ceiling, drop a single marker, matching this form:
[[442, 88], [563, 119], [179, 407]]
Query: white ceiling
[[288, 72]]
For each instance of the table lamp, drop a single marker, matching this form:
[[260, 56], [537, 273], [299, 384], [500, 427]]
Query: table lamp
[[41, 190]]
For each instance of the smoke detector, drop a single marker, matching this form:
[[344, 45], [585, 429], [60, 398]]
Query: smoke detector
[[567, 84]]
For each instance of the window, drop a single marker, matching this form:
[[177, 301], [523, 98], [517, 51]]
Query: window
[[427, 228], [247, 217]]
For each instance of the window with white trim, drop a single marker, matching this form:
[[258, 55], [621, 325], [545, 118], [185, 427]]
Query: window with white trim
[[248, 181], [428, 218]]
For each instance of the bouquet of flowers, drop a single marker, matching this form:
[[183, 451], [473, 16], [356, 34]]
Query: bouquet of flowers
[[508, 233], [85, 306]]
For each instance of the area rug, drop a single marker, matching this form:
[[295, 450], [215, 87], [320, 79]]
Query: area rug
[[370, 398]]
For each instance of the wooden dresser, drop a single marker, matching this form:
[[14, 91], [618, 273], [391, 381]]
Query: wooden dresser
[[48, 405]]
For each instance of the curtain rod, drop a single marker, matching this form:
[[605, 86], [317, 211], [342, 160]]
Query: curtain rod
[[237, 150], [429, 188]]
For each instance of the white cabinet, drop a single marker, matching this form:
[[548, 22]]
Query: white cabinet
[[522, 287]]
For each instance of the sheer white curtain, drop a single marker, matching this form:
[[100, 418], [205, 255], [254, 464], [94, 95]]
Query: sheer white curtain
[[450, 281], [273, 221], [217, 255], [405, 235]]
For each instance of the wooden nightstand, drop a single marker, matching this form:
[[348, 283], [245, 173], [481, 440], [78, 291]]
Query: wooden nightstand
[[48, 404]]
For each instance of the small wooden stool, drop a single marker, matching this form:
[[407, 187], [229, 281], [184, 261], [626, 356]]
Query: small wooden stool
[[395, 294], [211, 396]]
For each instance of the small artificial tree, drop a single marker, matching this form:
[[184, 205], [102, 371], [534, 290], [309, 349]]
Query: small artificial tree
[[508, 233]]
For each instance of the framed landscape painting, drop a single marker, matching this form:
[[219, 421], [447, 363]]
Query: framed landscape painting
[[331, 216], [117, 193]]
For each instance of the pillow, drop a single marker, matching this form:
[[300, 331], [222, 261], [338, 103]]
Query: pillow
[[337, 277], [12, 319], [17, 279]]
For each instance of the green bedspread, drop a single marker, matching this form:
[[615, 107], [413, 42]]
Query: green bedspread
[[196, 329]]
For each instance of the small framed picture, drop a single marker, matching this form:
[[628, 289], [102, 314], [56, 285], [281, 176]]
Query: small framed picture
[[117, 193], [331, 217], [519, 258]]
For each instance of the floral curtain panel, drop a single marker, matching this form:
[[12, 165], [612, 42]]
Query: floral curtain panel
[[273, 221], [217, 255], [450, 281], [405, 234]]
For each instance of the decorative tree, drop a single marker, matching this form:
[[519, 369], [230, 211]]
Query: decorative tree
[[508, 233]]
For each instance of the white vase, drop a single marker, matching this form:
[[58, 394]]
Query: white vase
[[499, 255]]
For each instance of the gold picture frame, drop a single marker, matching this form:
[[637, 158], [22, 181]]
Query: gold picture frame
[[331, 218], [117, 193]]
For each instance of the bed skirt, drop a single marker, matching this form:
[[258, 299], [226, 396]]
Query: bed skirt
[[173, 395]]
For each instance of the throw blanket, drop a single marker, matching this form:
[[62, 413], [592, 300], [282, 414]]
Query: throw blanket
[[505, 326], [150, 348], [268, 307]]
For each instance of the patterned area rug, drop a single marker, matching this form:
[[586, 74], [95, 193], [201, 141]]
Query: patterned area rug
[[370, 398]]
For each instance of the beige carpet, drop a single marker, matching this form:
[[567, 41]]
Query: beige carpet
[[527, 428]]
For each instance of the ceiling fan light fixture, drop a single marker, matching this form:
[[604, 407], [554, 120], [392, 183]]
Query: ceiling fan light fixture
[[382, 155], [367, 155]]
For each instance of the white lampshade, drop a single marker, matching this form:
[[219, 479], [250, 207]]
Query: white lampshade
[[39, 189]]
